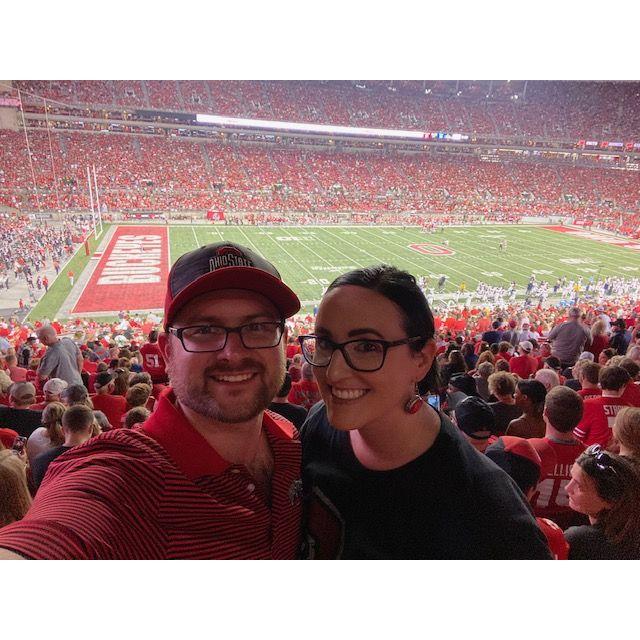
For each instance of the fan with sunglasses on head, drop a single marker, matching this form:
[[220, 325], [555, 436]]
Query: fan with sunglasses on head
[[606, 488]]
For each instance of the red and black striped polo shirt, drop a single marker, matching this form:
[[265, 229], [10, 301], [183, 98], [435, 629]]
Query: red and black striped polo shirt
[[163, 492]]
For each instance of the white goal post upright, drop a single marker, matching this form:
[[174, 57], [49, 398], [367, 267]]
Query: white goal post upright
[[93, 216], [95, 185]]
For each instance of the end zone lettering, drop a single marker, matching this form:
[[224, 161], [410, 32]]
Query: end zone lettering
[[426, 248], [135, 259], [131, 272]]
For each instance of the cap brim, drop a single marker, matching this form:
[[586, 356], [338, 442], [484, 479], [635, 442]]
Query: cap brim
[[246, 278]]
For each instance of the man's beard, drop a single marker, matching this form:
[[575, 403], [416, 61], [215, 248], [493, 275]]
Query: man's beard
[[192, 391]]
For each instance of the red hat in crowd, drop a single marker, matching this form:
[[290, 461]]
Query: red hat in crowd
[[225, 265]]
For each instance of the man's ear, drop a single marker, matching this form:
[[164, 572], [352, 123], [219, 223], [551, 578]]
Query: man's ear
[[163, 344]]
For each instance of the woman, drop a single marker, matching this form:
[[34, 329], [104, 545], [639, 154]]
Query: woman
[[605, 356], [15, 499], [49, 435], [470, 358], [599, 339], [385, 475], [455, 365], [626, 432], [606, 488]]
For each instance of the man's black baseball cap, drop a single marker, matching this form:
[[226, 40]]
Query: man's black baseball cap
[[225, 265]]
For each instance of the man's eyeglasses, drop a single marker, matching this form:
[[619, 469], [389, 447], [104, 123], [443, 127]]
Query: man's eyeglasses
[[603, 460], [208, 337], [360, 355]]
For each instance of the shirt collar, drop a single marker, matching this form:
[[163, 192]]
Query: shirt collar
[[168, 426]]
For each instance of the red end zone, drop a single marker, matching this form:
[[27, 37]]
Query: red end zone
[[132, 272]]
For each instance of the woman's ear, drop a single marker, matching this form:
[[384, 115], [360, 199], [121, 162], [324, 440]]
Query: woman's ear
[[424, 358]]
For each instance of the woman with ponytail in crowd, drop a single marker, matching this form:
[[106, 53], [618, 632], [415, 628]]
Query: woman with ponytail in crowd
[[606, 488], [385, 474]]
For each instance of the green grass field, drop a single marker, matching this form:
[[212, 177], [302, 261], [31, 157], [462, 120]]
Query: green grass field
[[309, 258]]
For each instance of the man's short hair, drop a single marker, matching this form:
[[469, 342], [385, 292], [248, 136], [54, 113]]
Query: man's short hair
[[485, 369], [502, 383], [138, 394], [630, 366], [590, 371], [75, 394], [77, 418], [533, 389], [563, 408], [548, 377], [613, 378], [135, 415], [141, 377]]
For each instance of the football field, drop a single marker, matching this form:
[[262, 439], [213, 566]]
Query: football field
[[309, 258]]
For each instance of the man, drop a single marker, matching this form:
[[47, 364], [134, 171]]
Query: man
[[62, 360], [460, 386], [563, 409], [620, 337], [77, 423], [210, 474], [589, 377], [529, 397], [524, 364], [292, 412], [569, 339], [305, 393], [526, 335], [27, 351], [114, 407], [600, 412], [518, 458], [475, 419], [19, 415], [631, 393], [53, 389], [494, 335], [16, 373], [152, 361], [548, 377]]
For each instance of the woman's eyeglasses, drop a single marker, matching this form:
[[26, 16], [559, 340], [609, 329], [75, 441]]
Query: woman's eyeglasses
[[360, 355]]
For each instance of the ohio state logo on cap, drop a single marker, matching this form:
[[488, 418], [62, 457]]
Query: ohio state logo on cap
[[228, 257]]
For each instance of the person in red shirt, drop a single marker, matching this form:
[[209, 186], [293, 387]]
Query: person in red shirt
[[16, 373], [631, 393], [503, 351], [211, 474], [53, 389], [524, 364], [517, 457], [589, 377], [306, 392], [114, 407], [600, 412], [558, 450], [153, 360]]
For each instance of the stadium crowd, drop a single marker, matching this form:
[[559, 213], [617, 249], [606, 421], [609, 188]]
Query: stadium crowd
[[160, 173], [531, 388], [551, 110]]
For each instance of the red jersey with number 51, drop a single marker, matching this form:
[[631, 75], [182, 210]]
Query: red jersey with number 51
[[152, 360]]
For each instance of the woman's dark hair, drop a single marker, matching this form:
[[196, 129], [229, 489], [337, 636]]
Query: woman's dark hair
[[616, 480], [399, 287]]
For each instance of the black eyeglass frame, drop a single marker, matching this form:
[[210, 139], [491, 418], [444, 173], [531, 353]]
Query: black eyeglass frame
[[340, 346], [179, 333]]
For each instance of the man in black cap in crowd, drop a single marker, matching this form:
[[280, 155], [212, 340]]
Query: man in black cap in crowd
[[210, 474], [477, 422]]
